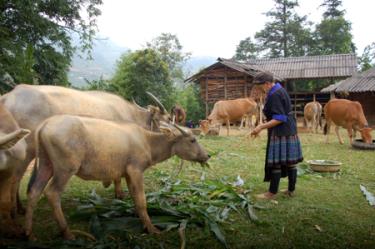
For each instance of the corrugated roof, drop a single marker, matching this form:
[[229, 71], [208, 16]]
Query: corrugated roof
[[360, 82], [304, 67], [310, 67]]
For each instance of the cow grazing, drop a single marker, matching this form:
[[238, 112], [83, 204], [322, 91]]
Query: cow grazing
[[95, 149], [206, 129], [226, 111], [178, 115], [204, 126], [347, 114], [312, 115], [12, 154], [31, 105]]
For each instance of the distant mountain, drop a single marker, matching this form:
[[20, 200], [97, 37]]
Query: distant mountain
[[194, 64], [105, 54]]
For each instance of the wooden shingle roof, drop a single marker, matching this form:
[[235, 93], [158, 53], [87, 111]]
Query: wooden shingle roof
[[235, 65], [310, 67], [360, 82]]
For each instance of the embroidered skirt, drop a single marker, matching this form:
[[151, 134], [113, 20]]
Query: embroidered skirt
[[283, 150]]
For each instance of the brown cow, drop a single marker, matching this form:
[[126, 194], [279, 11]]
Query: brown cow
[[312, 115], [347, 114], [178, 115], [97, 149], [226, 111]]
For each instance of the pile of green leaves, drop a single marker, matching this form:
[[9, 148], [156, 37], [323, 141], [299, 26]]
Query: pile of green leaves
[[176, 205]]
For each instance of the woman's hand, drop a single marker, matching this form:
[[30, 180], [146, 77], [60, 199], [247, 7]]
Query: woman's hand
[[256, 131]]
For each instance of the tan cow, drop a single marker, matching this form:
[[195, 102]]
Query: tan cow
[[12, 154], [312, 115], [347, 114], [226, 111], [206, 129], [96, 149], [31, 105]]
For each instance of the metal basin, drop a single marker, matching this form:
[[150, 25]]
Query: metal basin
[[325, 165]]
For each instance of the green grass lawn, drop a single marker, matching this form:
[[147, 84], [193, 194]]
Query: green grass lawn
[[328, 211]]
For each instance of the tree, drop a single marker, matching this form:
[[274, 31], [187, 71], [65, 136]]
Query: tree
[[40, 32], [99, 85], [170, 50], [141, 71], [189, 98], [332, 8], [246, 50], [286, 34], [367, 60], [333, 34]]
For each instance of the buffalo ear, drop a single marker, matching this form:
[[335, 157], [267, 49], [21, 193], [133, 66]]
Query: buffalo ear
[[9, 140]]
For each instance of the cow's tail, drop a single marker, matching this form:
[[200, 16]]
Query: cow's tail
[[38, 151]]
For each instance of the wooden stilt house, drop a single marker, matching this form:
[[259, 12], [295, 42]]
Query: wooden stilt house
[[229, 79]]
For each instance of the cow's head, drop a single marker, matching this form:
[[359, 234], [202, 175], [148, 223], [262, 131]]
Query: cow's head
[[366, 135], [204, 125], [185, 144], [157, 116], [154, 114], [159, 112]]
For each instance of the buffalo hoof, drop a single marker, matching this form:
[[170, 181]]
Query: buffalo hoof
[[153, 230], [68, 235], [121, 195], [31, 237]]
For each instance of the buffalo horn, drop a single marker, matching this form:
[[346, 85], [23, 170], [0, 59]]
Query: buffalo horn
[[181, 130], [9, 140], [157, 102]]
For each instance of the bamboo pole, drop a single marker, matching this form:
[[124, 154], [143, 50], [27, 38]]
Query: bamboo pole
[[206, 97], [225, 83]]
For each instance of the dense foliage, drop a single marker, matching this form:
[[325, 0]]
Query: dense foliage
[[367, 60], [170, 49], [189, 98], [247, 49], [141, 71], [287, 34], [35, 44]]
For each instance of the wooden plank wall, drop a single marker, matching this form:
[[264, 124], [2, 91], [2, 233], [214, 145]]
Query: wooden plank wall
[[224, 84], [300, 99], [367, 100]]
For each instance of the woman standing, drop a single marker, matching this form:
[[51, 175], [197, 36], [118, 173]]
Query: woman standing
[[283, 146]]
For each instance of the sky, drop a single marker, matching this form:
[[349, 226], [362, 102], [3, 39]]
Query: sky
[[213, 27]]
